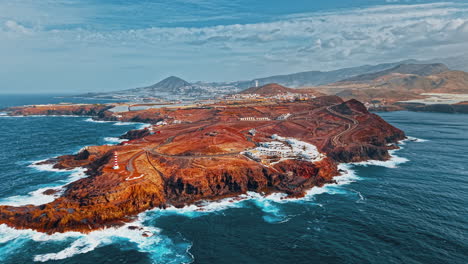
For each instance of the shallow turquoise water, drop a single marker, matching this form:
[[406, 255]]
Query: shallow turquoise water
[[402, 212]]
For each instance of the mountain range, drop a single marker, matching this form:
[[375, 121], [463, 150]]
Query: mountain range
[[175, 88], [393, 86]]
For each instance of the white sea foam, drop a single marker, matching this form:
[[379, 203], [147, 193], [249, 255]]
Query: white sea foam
[[20, 116], [114, 140], [97, 121], [38, 197], [392, 163], [141, 125], [414, 139], [158, 246], [118, 123], [145, 238], [44, 167], [269, 204]]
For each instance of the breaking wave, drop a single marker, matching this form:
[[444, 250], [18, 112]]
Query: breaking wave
[[97, 121], [114, 140], [119, 123], [414, 139], [271, 204], [143, 238], [147, 238], [38, 196], [392, 163], [140, 125]]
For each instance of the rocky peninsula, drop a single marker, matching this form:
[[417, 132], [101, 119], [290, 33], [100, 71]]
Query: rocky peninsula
[[205, 152]]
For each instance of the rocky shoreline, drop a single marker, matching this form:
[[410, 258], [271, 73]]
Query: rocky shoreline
[[199, 154]]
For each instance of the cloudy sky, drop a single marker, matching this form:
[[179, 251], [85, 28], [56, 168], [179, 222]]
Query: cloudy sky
[[90, 45]]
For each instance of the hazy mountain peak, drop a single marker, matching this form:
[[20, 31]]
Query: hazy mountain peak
[[405, 68], [170, 83]]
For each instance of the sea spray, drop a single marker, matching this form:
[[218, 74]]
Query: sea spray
[[145, 239], [38, 197], [114, 140]]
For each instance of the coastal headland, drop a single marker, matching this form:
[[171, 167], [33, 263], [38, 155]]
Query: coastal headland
[[207, 152]]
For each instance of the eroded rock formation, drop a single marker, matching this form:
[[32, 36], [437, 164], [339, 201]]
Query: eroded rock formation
[[201, 157]]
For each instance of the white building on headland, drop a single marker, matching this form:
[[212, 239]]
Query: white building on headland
[[251, 118], [285, 148], [283, 116]]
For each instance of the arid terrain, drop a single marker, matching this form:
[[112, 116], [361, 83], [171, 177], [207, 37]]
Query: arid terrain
[[205, 153], [405, 87]]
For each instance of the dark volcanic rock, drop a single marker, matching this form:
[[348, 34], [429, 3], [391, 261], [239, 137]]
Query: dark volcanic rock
[[135, 134], [202, 158]]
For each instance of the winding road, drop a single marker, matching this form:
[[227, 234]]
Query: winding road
[[336, 139]]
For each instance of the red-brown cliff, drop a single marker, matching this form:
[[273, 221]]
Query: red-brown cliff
[[201, 157]]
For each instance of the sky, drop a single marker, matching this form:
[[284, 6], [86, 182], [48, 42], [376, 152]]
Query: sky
[[75, 46]]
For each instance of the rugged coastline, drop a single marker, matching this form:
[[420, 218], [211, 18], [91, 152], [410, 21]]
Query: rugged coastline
[[199, 153]]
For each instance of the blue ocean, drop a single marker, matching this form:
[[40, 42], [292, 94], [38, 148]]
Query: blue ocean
[[411, 209]]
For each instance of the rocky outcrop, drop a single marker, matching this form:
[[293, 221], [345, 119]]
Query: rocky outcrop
[[60, 109], [136, 134], [439, 108], [202, 158]]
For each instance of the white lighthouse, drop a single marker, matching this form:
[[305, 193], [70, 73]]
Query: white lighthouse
[[116, 162], [256, 83]]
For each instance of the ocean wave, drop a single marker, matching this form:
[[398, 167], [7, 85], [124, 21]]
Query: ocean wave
[[270, 205], [114, 140], [38, 197], [139, 124], [392, 163], [44, 167], [146, 239], [20, 116], [415, 139], [118, 123], [161, 248], [97, 121]]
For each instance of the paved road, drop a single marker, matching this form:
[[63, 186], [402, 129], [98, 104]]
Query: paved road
[[336, 140], [153, 151], [129, 165]]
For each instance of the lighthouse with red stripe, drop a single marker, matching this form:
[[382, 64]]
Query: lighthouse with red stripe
[[116, 162]]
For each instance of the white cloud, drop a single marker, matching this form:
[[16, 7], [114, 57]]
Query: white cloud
[[312, 41], [13, 26]]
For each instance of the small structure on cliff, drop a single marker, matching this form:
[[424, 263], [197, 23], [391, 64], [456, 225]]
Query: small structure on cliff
[[283, 116], [251, 118], [285, 148], [116, 161]]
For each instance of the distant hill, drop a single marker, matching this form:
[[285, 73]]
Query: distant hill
[[269, 89], [458, 63], [397, 87], [170, 84], [314, 78], [175, 88], [171, 88], [416, 69], [272, 89]]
